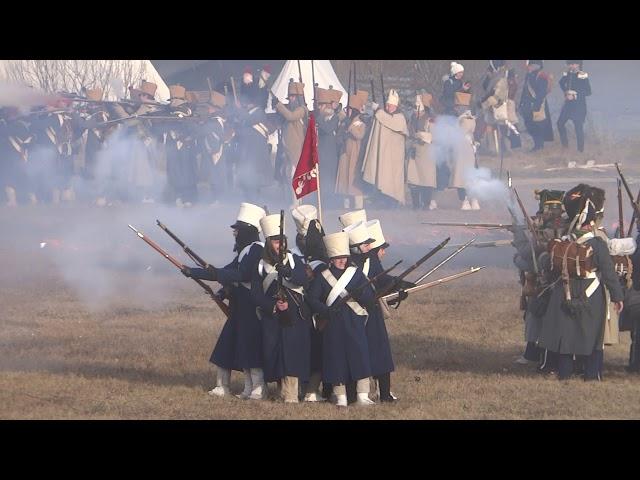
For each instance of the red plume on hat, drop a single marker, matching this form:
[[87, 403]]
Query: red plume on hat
[[247, 69], [267, 68]]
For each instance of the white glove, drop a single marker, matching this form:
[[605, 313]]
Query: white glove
[[583, 75], [374, 106]]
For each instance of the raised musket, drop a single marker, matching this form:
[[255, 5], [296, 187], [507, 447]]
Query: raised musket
[[633, 217], [284, 316], [620, 217], [635, 206], [384, 95], [180, 266], [533, 240]]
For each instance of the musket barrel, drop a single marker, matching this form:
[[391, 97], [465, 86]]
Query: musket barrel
[[397, 280], [446, 260], [440, 281]]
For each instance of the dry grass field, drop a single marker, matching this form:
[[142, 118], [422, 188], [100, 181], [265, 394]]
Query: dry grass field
[[95, 325]]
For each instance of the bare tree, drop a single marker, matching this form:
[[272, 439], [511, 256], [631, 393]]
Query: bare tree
[[75, 75]]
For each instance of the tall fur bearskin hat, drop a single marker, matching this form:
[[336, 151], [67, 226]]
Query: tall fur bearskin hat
[[583, 203]]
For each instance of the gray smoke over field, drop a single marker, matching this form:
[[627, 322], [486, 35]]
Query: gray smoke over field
[[106, 263], [482, 185], [448, 138], [21, 96]]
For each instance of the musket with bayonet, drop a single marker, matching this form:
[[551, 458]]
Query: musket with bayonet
[[633, 217], [533, 240], [119, 102], [384, 95], [488, 226], [180, 266], [620, 217], [459, 249], [397, 281], [349, 88], [495, 243], [373, 90], [417, 288], [150, 116], [636, 208]]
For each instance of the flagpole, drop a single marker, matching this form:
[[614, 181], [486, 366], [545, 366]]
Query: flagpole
[[316, 145], [318, 179]]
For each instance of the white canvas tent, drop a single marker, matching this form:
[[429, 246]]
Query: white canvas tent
[[150, 74], [324, 77]]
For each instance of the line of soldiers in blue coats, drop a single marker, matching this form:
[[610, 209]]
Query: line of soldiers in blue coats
[[306, 338]]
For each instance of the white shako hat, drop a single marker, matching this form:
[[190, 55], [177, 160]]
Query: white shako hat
[[251, 214], [350, 218], [375, 232], [358, 234], [270, 225], [302, 215], [337, 244]]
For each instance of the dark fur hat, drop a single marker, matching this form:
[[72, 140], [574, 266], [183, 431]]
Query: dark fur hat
[[584, 196]]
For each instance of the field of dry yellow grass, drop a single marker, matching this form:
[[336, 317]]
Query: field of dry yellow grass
[[95, 325]]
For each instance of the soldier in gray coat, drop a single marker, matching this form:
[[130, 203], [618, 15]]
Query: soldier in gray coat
[[575, 319]]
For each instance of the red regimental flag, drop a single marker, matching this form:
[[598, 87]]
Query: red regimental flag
[[306, 174]]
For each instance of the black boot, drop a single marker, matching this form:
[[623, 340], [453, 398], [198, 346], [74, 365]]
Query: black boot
[[352, 395], [384, 384], [327, 390]]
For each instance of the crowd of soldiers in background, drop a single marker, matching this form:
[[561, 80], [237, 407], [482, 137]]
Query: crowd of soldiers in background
[[224, 140]]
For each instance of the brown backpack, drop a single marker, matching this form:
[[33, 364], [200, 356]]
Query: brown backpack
[[571, 259]]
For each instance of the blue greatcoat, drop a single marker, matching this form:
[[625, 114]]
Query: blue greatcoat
[[240, 343], [377, 336], [345, 354], [286, 349]]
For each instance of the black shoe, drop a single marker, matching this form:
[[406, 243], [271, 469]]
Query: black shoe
[[388, 399]]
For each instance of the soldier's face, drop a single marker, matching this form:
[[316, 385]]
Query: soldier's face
[[574, 67], [340, 263], [275, 245], [459, 75], [235, 232], [391, 108], [381, 253], [364, 248]]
